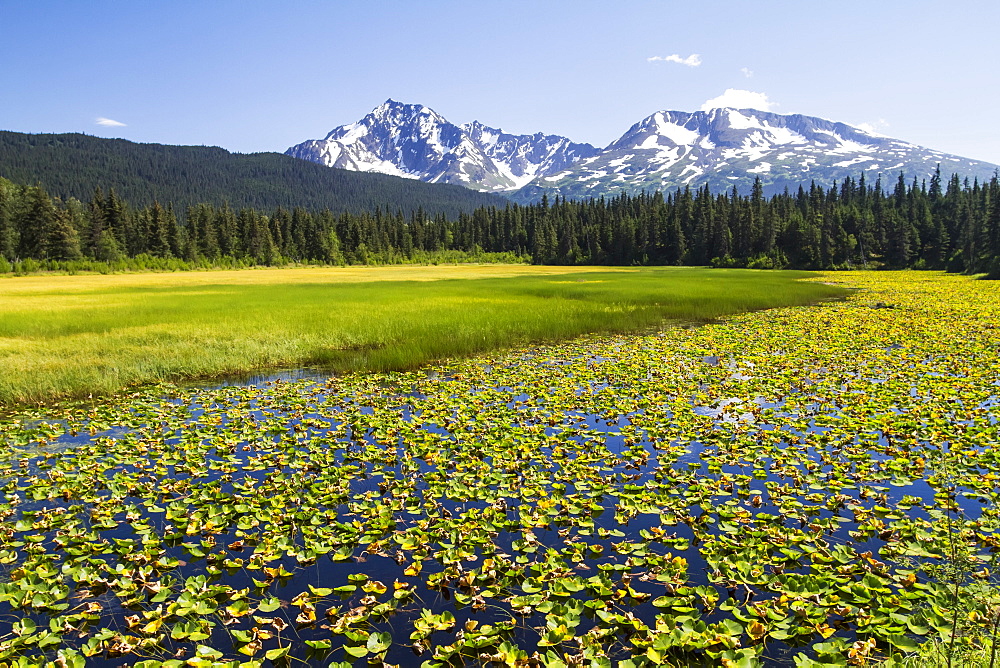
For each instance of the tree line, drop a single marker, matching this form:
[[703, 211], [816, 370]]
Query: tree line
[[953, 225]]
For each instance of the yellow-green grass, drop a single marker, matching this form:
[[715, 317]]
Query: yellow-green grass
[[64, 336]]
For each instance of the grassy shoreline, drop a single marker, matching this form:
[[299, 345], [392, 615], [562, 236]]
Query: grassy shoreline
[[63, 337]]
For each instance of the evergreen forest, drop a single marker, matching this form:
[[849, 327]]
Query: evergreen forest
[[952, 225], [72, 165]]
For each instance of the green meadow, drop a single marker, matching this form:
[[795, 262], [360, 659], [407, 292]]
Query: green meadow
[[72, 336]]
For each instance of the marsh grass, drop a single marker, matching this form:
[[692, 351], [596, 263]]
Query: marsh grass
[[938, 654], [74, 336]]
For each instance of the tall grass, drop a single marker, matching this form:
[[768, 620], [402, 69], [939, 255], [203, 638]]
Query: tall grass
[[74, 336], [147, 263]]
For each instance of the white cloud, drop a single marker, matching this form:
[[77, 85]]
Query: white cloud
[[747, 72], [108, 123], [740, 99], [694, 60]]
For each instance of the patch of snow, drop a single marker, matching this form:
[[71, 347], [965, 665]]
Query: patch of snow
[[842, 145], [331, 152], [596, 174], [850, 146], [784, 136], [652, 141], [350, 133], [748, 150], [382, 167], [754, 153], [695, 172], [868, 129], [738, 121], [666, 155], [852, 161], [522, 179], [676, 133], [762, 168]]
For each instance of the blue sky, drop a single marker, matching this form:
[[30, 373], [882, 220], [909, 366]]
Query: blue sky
[[255, 76]]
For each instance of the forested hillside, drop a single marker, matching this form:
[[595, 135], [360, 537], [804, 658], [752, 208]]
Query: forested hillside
[[72, 165], [952, 225]]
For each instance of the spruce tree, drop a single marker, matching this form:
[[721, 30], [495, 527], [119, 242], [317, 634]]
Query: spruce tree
[[157, 235], [62, 242], [34, 224], [117, 219], [6, 224]]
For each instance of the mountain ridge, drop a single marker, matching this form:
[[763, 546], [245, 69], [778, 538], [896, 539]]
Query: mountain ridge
[[414, 141], [720, 147]]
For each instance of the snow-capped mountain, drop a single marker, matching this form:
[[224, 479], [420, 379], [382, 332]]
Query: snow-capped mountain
[[727, 147], [415, 142], [667, 150]]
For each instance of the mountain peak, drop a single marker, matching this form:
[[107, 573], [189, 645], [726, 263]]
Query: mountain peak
[[721, 147], [414, 141], [395, 104], [398, 110]]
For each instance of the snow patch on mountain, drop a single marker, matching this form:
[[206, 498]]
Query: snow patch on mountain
[[678, 134]]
